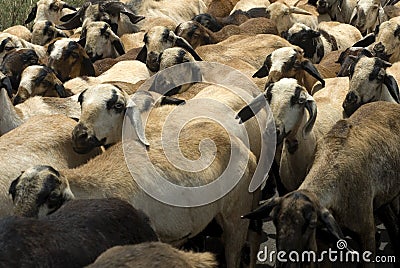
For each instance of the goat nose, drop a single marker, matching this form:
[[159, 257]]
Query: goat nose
[[80, 132], [351, 97], [379, 47], [153, 57]]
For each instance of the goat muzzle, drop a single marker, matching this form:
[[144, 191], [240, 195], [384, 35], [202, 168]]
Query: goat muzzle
[[82, 142]]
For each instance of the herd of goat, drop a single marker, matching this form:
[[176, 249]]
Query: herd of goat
[[328, 70]]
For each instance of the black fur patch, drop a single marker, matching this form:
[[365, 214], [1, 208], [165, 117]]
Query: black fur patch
[[397, 31], [111, 102], [49, 184], [180, 58], [290, 64], [208, 21], [44, 71], [268, 93], [4, 43], [307, 42], [80, 97], [70, 48], [295, 99]]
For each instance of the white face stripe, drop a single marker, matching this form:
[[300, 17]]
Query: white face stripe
[[58, 49], [281, 56]]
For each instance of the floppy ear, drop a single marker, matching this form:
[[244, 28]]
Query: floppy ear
[[307, 66], [311, 107], [171, 101], [136, 121], [87, 67], [354, 16], [69, 6], [142, 56], [180, 42], [264, 70], [82, 41], [329, 221], [252, 108], [32, 15], [264, 210], [13, 187], [61, 91], [119, 47], [365, 41], [6, 83], [73, 20], [392, 87], [133, 18], [296, 10]]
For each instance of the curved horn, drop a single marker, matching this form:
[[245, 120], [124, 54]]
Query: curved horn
[[311, 107]]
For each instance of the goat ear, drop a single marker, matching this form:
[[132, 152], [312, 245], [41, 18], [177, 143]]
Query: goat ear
[[264, 210], [333, 227], [87, 67], [168, 100], [252, 108], [136, 121], [307, 66], [392, 87], [296, 10], [6, 83], [180, 42], [142, 56], [69, 6], [354, 16], [82, 41], [73, 20], [32, 15], [365, 41], [311, 107], [133, 18], [61, 91], [262, 72], [119, 47], [13, 187]]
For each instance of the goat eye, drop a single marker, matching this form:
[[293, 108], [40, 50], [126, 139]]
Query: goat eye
[[301, 100], [119, 106]]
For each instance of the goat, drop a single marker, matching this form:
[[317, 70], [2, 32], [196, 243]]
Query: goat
[[216, 24], [9, 42], [299, 135], [289, 62], [51, 10], [386, 44], [330, 36], [108, 175], [56, 240], [369, 82], [358, 155], [156, 40], [148, 255], [285, 16], [15, 61], [197, 35], [100, 41], [367, 15], [246, 5], [37, 80], [118, 15], [68, 59], [338, 10], [19, 31], [45, 31], [45, 140]]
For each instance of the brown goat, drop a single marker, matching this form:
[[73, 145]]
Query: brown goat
[[153, 255], [69, 59]]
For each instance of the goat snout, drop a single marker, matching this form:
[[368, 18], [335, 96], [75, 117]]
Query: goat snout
[[351, 103], [153, 61], [82, 141]]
